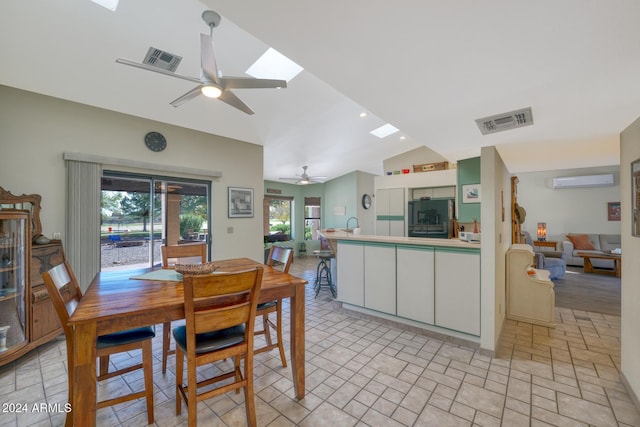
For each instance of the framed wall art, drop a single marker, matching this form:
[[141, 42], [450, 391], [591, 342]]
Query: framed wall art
[[240, 202], [613, 211], [635, 198], [471, 193]]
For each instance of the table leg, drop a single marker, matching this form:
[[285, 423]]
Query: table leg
[[84, 389], [588, 267], [617, 264], [297, 340]]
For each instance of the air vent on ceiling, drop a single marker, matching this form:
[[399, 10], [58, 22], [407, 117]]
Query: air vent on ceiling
[[161, 59], [505, 121], [604, 180]]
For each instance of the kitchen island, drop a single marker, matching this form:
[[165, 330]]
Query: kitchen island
[[432, 284]]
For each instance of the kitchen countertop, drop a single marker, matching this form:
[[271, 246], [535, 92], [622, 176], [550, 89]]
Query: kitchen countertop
[[341, 234]]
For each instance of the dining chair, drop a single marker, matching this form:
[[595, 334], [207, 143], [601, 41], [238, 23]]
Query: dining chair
[[191, 253], [220, 312], [279, 257], [65, 295]]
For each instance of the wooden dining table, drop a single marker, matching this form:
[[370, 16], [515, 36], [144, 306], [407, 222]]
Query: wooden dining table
[[115, 302]]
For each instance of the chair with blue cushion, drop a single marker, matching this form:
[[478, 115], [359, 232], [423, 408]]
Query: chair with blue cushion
[[188, 253], [552, 261], [279, 257], [65, 294], [220, 312]]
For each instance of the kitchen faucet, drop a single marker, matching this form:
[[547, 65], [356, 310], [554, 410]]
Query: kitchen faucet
[[357, 224]]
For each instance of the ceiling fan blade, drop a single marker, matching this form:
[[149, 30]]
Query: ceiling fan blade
[[156, 70], [251, 83], [187, 96], [231, 99], [289, 178], [208, 58]]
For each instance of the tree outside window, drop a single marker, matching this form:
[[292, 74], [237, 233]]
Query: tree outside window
[[311, 218]]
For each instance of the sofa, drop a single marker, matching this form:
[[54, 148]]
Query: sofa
[[591, 243]]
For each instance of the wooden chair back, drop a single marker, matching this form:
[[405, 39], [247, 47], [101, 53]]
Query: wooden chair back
[[65, 294], [192, 253], [280, 256], [220, 301]]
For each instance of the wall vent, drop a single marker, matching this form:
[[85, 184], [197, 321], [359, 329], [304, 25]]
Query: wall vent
[[161, 59], [505, 121], [605, 180]]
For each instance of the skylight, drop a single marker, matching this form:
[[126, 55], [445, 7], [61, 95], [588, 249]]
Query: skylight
[[109, 4], [274, 65], [384, 131]]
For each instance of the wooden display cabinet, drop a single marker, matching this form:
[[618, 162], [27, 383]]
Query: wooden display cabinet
[[24, 302]]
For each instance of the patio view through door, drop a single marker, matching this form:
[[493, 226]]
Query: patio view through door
[[139, 213]]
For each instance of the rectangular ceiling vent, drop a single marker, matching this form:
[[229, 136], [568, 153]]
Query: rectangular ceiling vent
[[505, 121], [161, 59], [604, 180]]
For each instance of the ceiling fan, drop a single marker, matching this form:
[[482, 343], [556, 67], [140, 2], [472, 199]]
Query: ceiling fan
[[306, 179], [211, 83]]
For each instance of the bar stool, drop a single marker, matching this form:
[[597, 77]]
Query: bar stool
[[323, 272]]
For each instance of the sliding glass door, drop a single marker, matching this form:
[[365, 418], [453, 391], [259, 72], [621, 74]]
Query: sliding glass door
[[139, 213]]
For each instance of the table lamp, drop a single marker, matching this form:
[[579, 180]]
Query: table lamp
[[542, 231]]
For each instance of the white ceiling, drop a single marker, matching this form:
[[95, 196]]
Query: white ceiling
[[428, 67]]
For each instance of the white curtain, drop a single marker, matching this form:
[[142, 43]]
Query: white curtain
[[82, 245]]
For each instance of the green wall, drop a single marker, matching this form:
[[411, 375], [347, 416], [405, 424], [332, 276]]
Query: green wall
[[468, 173]]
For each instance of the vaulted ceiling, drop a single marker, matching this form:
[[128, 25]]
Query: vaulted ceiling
[[430, 68]]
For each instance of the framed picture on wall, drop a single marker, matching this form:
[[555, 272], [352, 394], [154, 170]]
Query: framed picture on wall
[[240, 202], [471, 193], [613, 211], [635, 198]]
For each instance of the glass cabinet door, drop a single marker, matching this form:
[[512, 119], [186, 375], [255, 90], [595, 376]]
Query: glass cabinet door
[[14, 229]]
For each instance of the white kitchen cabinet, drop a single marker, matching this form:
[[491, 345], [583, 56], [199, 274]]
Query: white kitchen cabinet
[[457, 290], [380, 277], [350, 269], [390, 208], [415, 279]]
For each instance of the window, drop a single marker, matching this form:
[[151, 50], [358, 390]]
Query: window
[[277, 217], [311, 218], [141, 212]]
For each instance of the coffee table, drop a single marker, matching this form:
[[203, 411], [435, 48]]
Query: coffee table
[[589, 268]]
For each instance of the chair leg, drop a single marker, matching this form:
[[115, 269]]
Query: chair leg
[[166, 342], [104, 365], [179, 375], [279, 332], [192, 393], [147, 363], [265, 327], [249, 400]]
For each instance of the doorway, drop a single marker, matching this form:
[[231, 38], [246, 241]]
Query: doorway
[[140, 213]]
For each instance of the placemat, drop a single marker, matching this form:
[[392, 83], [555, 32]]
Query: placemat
[[164, 275]]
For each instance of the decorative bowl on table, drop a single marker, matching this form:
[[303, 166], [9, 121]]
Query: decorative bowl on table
[[206, 268]]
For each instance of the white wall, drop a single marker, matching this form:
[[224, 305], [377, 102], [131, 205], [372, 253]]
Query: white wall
[[570, 210], [630, 328], [496, 239], [418, 156], [36, 130]]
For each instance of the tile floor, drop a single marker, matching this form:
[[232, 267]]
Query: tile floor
[[366, 373]]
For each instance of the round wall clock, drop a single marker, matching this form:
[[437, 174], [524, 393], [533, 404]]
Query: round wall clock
[[366, 201], [155, 141]]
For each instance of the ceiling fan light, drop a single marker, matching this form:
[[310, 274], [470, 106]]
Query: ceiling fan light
[[211, 91]]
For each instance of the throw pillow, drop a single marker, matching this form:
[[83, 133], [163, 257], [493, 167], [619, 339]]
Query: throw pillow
[[581, 242]]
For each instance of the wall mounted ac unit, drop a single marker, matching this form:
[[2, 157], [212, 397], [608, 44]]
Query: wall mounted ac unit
[[604, 180]]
